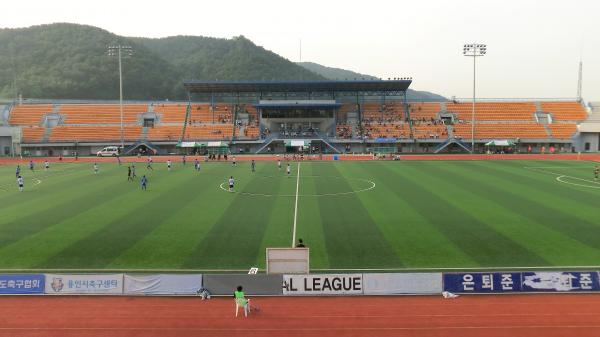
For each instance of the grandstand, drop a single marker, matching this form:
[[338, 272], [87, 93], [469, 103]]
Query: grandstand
[[331, 116]]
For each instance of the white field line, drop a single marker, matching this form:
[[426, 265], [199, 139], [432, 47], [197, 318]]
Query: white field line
[[560, 176], [296, 207]]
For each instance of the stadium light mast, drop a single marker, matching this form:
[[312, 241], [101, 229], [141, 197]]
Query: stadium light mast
[[474, 50], [120, 51]]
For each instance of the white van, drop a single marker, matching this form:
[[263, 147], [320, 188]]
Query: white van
[[109, 151]]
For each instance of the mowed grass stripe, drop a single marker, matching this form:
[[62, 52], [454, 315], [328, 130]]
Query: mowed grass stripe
[[352, 237], [280, 220], [170, 243], [546, 182], [310, 226], [418, 242], [54, 190], [40, 219], [438, 203], [508, 214], [235, 239], [117, 235], [551, 210], [33, 250]]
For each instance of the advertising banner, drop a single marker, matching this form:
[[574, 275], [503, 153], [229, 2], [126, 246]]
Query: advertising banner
[[15, 284], [402, 283], [323, 284], [162, 284], [482, 282], [561, 281], [543, 281], [84, 284]]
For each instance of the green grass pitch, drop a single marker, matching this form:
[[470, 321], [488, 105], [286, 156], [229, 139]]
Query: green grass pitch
[[367, 215]]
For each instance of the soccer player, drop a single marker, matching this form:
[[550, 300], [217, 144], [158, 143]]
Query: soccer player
[[20, 183], [129, 177], [96, 168], [289, 170], [133, 171], [119, 159], [300, 244], [183, 160], [231, 182], [278, 163], [596, 172], [253, 165], [46, 165], [18, 171], [196, 164], [31, 165], [149, 164], [144, 182], [169, 164], [233, 161]]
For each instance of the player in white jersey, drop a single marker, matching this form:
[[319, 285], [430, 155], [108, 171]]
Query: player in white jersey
[[96, 168], [278, 163], [20, 182], [231, 182], [169, 164], [289, 170], [46, 165]]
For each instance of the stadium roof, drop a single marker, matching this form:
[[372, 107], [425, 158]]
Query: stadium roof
[[297, 86]]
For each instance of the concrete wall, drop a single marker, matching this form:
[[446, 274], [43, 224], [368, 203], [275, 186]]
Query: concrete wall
[[593, 138]]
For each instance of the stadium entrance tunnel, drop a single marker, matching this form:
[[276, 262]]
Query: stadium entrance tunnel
[[308, 186]]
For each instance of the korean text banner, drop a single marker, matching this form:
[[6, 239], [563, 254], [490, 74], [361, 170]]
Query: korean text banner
[[323, 284], [84, 284], [562, 281], [545, 281], [482, 282], [21, 284]]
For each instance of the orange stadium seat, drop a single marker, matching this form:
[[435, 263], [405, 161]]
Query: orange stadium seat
[[494, 111], [29, 114], [565, 111], [193, 132], [32, 134], [424, 110], [507, 130], [101, 113], [563, 131], [94, 133], [426, 131]]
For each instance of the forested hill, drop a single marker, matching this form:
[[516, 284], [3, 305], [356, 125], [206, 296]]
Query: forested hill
[[70, 61]]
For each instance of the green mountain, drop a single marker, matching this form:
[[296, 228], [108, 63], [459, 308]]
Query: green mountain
[[70, 61], [343, 74], [65, 60]]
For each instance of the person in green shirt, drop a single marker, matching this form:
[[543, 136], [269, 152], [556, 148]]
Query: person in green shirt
[[241, 301]]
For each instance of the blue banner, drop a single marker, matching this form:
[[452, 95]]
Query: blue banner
[[560, 281], [507, 282], [21, 284], [385, 140], [482, 282]]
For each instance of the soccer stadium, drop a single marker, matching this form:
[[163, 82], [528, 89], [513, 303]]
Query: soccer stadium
[[310, 206]]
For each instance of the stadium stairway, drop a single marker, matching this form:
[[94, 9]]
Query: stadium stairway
[[46, 136], [144, 134], [451, 141]]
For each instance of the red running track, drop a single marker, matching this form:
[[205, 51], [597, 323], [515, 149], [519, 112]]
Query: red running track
[[421, 316]]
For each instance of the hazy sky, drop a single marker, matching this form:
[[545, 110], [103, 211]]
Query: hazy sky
[[534, 46]]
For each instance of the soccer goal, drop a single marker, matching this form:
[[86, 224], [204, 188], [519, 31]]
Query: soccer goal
[[287, 261]]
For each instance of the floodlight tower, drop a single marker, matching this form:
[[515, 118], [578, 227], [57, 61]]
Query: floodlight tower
[[474, 50], [120, 51]]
